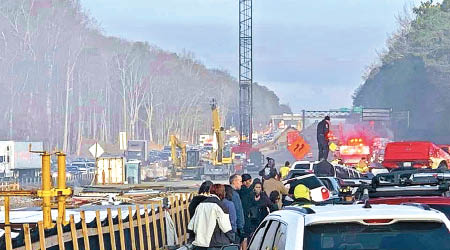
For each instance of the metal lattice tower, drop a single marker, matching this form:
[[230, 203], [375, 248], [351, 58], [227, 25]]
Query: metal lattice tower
[[245, 71]]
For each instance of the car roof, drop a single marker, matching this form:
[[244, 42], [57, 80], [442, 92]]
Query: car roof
[[347, 213], [432, 200]]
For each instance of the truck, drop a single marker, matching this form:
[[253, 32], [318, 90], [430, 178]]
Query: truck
[[137, 150], [417, 154], [110, 170], [17, 161]]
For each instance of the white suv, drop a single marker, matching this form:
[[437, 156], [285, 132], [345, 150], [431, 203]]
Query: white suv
[[353, 227]]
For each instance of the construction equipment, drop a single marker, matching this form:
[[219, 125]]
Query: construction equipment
[[188, 163], [245, 72], [47, 193], [221, 154], [178, 162]]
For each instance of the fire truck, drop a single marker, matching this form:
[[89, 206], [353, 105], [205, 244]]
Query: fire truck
[[357, 141]]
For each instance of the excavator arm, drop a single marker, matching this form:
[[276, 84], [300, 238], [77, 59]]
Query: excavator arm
[[217, 131], [178, 162]]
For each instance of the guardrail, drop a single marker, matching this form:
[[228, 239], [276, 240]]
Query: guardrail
[[143, 226], [71, 180]]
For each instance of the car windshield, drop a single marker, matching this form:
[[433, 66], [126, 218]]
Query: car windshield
[[399, 236], [443, 208], [302, 166]]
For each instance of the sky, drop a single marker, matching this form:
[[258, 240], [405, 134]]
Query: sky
[[312, 54]]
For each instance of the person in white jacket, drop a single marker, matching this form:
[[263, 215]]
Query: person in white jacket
[[211, 222]]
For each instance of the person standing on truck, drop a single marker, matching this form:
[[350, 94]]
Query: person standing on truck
[[323, 128]]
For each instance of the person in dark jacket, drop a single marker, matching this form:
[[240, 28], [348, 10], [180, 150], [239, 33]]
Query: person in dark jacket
[[265, 172], [228, 202], [245, 193], [324, 168], [203, 193], [260, 206], [236, 184], [323, 128], [211, 223]]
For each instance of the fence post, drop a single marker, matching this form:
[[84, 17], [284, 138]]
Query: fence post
[[111, 230], [139, 224], [8, 242], [132, 234], [155, 228], [41, 235], [26, 231], [147, 227], [121, 233], [101, 243], [73, 231], [84, 230], [162, 216], [183, 217], [177, 211], [60, 234]]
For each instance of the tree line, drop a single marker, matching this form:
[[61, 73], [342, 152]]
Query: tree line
[[63, 80], [413, 73]]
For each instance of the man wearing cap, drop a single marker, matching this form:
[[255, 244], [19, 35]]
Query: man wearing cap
[[302, 196], [323, 128]]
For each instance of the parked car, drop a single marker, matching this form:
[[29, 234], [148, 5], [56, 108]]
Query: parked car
[[353, 227], [72, 169], [332, 184], [300, 168], [417, 154], [318, 190], [81, 165]]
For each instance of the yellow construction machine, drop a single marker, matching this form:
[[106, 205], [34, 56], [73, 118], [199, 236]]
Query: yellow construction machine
[[221, 155], [187, 162], [179, 161]]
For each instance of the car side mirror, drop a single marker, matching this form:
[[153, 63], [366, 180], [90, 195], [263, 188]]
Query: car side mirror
[[231, 247]]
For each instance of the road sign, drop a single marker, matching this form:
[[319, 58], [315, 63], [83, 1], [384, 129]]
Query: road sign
[[376, 114], [299, 148], [96, 150]]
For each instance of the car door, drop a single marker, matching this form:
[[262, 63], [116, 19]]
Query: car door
[[270, 233], [280, 237], [258, 237]]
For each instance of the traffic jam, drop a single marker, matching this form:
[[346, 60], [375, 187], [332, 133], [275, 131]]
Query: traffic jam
[[363, 192]]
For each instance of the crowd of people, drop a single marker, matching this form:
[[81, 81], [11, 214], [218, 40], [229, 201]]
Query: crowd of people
[[229, 214]]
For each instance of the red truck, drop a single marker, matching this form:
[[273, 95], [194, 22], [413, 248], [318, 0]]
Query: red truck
[[417, 154]]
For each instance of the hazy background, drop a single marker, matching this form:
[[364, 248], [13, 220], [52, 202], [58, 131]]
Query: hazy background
[[311, 53]]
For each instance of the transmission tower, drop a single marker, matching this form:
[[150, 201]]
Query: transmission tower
[[245, 71]]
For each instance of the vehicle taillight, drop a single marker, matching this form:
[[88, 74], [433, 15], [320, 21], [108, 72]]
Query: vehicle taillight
[[377, 221], [325, 193]]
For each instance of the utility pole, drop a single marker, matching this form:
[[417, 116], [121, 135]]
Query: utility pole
[[245, 72]]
